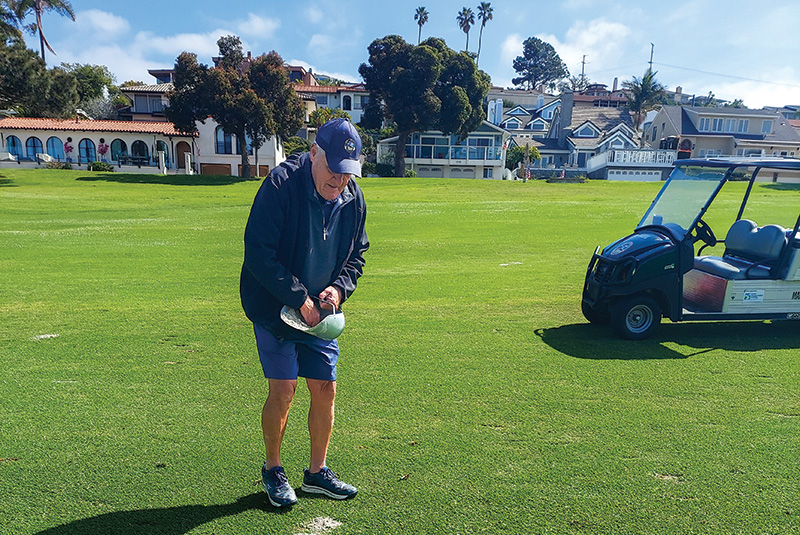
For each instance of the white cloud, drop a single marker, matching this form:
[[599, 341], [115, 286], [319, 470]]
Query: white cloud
[[261, 27], [511, 48], [604, 43], [314, 15], [346, 77], [202, 44]]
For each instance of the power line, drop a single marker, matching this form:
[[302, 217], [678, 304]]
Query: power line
[[727, 75]]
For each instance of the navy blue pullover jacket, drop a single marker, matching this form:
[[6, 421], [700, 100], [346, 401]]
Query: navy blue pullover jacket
[[276, 244]]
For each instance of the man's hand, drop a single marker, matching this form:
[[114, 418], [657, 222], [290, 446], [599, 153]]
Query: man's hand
[[331, 295], [310, 312]]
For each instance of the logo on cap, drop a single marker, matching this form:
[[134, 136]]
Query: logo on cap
[[350, 145]]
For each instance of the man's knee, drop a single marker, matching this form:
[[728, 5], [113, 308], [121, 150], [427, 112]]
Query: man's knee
[[322, 390], [282, 391]]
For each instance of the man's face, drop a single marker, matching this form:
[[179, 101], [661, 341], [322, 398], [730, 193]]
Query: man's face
[[329, 184]]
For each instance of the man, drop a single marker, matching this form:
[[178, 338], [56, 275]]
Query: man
[[304, 243]]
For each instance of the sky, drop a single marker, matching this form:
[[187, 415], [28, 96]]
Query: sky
[[737, 49]]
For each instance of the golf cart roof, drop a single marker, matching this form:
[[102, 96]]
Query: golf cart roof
[[768, 163]]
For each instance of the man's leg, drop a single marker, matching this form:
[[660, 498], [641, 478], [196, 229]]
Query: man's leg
[[274, 416], [320, 420]]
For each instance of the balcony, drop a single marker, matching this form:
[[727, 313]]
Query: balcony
[[632, 158]]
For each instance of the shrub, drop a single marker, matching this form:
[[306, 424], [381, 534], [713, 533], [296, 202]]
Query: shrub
[[368, 168], [58, 165], [384, 169], [101, 166], [410, 173]]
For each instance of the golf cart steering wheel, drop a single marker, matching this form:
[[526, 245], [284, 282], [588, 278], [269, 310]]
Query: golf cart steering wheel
[[705, 234]]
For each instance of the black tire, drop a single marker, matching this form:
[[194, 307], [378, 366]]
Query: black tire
[[636, 317], [594, 317]]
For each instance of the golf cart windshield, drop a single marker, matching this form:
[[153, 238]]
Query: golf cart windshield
[[682, 198]]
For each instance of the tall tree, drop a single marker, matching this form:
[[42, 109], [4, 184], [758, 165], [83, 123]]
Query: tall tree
[[465, 19], [421, 16], [29, 88], [9, 24], [246, 98], [423, 87], [539, 64], [484, 15], [38, 7], [644, 94]]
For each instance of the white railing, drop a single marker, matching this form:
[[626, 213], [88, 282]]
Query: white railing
[[632, 157]]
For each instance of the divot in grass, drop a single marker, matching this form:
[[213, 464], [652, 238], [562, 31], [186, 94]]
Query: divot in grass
[[44, 336], [319, 525]]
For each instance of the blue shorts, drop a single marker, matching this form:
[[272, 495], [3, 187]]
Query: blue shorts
[[312, 359]]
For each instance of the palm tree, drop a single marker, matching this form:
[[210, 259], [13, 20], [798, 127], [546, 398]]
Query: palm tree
[[62, 7], [643, 95], [465, 18], [421, 16], [484, 15]]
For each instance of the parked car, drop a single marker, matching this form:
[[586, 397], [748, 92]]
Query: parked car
[[656, 272]]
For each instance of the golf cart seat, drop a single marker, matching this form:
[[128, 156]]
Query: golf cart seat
[[751, 252]]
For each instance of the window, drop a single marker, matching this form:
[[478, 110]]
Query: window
[[118, 148], [586, 131], [86, 152], [488, 172], [717, 124], [223, 144], [140, 104], [458, 153], [347, 103], [766, 127], [162, 146], [512, 124], [14, 146], [139, 150], [655, 133], [744, 125], [55, 148], [249, 145], [322, 100], [730, 125], [705, 124], [156, 106], [33, 146]]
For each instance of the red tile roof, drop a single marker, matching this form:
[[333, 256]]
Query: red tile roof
[[85, 125]]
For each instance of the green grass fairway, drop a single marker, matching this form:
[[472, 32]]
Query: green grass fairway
[[473, 396]]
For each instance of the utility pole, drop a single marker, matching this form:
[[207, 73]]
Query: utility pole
[[652, 47], [583, 68]]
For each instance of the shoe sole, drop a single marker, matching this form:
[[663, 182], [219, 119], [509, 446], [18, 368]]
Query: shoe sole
[[311, 489]]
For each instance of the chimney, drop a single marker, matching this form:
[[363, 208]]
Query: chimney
[[616, 81], [566, 118], [678, 94]]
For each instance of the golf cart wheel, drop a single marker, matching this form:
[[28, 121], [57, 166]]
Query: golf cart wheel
[[594, 317], [636, 317]]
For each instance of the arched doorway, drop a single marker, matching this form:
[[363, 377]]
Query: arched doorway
[[180, 153]]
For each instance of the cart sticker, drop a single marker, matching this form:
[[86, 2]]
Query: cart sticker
[[754, 296], [795, 295], [621, 249], [793, 316]]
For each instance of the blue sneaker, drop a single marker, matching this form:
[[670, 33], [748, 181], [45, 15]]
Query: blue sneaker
[[277, 487], [327, 483]]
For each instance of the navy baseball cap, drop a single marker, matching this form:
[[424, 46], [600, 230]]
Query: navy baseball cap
[[342, 145]]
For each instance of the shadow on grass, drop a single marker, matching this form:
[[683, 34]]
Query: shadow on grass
[[169, 180], [7, 183], [164, 521], [782, 186], [596, 342]]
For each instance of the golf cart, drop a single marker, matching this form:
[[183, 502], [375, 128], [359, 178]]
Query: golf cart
[[655, 271]]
